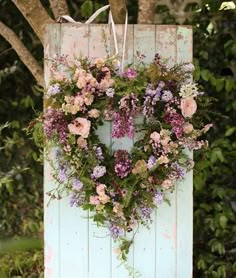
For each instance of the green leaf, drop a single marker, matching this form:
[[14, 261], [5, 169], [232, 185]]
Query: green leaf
[[223, 221], [205, 75], [230, 131], [219, 84], [87, 8], [229, 84]]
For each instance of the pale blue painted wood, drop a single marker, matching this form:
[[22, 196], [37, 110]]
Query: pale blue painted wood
[[166, 214], [145, 240], [158, 253], [51, 211], [185, 189], [74, 223]]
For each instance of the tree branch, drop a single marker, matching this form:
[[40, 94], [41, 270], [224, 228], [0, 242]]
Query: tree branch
[[118, 10], [59, 7], [23, 53], [146, 11], [35, 14]]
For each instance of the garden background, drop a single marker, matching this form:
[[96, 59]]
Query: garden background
[[21, 176]]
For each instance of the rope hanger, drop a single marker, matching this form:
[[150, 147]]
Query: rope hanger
[[110, 21]]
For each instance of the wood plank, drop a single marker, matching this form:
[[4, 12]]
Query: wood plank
[[99, 239], [145, 240], [99, 40], [73, 222], [166, 215], [185, 189], [166, 42], [144, 38], [51, 212]]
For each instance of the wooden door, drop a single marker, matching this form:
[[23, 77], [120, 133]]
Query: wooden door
[[74, 246]]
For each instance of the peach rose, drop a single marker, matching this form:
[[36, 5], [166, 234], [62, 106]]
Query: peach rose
[[188, 107], [94, 113], [163, 159], [104, 199], [99, 62], [101, 189], [81, 142], [80, 126], [88, 98], [140, 167], [187, 128]]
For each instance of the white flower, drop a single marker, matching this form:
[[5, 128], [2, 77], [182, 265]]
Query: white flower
[[189, 90]]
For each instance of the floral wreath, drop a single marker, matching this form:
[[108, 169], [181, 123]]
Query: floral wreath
[[121, 188]]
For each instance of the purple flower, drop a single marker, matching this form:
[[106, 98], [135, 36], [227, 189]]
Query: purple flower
[[176, 121], [54, 90], [98, 172], [110, 92], [122, 163], [77, 184], [99, 154], [152, 96], [62, 175], [122, 125], [54, 122], [76, 200], [146, 212], [177, 172], [130, 73], [151, 162], [166, 96], [115, 231], [158, 198]]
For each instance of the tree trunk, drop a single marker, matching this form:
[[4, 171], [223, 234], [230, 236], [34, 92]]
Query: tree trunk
[[146, 12], [23, 53], [35, 14], [59, 8], [118, 10]]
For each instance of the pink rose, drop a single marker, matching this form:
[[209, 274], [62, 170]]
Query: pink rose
[[188, 107], [94, 200], [81, 142], [94, 113], [166, 184], [155, 136], [80, 126], [101, 189], [187, 128]]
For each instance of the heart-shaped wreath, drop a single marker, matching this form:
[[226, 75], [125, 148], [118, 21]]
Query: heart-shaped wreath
[[121, 188]]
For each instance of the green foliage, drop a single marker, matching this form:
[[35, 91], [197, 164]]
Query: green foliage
[[214, 176]]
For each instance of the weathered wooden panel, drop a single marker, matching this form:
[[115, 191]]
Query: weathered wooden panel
[[74, 246]]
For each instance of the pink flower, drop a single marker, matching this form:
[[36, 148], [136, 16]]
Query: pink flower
[[88, 98], [104, 199], [166, 184], [81, 142], [80, 126], [206, 128], [101, 189], [155, 136], [163, 159], [94, 113], [188, 107], [187, 128], [94, 200]]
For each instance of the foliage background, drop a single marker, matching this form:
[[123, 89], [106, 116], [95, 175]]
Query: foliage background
[[21, 185]]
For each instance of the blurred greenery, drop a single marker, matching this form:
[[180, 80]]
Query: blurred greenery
[[21, 189]]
